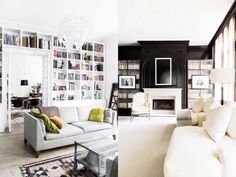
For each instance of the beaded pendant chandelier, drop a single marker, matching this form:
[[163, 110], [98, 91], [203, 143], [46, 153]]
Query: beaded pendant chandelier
[[74, 30]]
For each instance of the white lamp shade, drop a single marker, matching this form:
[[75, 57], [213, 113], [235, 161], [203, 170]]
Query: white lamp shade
[[223, 76]]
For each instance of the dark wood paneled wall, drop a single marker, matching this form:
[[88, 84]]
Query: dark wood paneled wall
[[177, 50]]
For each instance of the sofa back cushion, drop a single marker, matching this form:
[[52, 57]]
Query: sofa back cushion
[[69, 114], [217, 121], [197, 105], [50, 111], [84, 112], [210, 103]]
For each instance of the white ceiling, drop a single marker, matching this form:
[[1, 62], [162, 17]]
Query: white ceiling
[[194, 20], [45, 15]]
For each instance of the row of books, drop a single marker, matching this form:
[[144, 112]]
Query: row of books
[[86, 77], [61, 76], [74, 86], [74, 55], [98, 59], [58, 64], [122, 105], [98, 67], [98, 47], [73, 76], [11, 39], [59, 97], [44, 43], [97, 95], [59, 54], [200, 64], [87, 46], [98, 78], [58, 43], [87, 67], [122, 66], [58, 87], [73, 66], [29, 41], [133, 66]]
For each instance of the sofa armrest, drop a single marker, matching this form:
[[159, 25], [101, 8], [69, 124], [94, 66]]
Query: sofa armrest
[[33, 131], [114, 119], [184, 117]]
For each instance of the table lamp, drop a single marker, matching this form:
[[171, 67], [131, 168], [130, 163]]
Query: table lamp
[[222, 76]]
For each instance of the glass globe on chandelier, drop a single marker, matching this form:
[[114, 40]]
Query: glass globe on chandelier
[[74, 31]]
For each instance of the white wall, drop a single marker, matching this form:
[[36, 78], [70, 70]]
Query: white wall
[[26, 67], [111, 69]]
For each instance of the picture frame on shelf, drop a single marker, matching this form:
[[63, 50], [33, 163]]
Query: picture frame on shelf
[[127, 82], [200, 82]]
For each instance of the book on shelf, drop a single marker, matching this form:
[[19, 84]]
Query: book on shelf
[[44, 43], [74, 55], [60, 54], [58, 43], [87, 46], [29, 41], [11, 39], [98, 47], [98, 59]]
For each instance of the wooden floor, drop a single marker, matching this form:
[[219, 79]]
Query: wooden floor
[[13, 151]]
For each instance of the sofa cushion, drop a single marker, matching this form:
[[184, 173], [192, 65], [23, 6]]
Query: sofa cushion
[[49, 125], [90, 126], [84, 112], [197, 105], [58, 122], [49, 111], [192, 153], [67, 131], [96, 115], [108, 116], [69, 114], [217, 121], [210, 103]]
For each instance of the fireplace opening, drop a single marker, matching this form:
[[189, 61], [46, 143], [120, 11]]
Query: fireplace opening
[[163, 104]]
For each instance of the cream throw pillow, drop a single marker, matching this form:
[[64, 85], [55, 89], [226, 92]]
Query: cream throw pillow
[[197, 105], [217, 121], [210, 103]]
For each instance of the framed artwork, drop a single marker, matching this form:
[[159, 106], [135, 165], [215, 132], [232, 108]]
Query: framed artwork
[[127, 82], [163, 71], [200, 82]]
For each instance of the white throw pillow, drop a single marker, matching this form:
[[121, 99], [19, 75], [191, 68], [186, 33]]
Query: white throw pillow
[[217, 121], [84, 112], [210, 103], [197, 105], [227, 156], [232, 125], [69, 114]]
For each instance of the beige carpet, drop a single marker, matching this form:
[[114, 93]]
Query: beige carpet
[[143, 145]]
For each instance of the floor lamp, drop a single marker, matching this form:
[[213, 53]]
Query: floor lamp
[[222, 76]]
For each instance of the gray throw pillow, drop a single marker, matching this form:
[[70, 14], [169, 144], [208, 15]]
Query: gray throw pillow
[[108, 116]]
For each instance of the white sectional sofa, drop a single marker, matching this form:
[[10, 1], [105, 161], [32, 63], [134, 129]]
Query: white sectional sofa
[[196, 152], [77, 128]]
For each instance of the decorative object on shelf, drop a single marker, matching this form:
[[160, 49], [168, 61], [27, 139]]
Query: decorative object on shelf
[[127, 82], [200, 82], [222, 76], [24, 83]]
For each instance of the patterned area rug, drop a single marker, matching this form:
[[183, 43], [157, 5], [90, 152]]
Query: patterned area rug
[[61, 166]]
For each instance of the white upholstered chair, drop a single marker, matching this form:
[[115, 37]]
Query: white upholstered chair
[[140, 105]]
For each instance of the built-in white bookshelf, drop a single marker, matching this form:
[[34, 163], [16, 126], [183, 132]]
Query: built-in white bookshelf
[[1, 56], [78, 74], [199, 68]]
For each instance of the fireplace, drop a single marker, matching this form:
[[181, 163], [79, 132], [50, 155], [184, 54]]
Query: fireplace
[[163, 104], [164, 101]]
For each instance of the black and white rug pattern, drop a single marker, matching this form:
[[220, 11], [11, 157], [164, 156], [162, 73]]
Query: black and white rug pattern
[[61, 166]]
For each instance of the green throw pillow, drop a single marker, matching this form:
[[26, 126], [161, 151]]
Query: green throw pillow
[[49, 125], [97, 115]]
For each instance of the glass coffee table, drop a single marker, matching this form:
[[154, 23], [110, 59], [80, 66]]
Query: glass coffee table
[[97, 150]]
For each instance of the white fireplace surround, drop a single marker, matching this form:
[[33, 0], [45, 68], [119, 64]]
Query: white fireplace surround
[[164, 93]]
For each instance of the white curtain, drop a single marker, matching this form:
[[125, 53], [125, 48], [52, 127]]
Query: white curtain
[[225, 58]]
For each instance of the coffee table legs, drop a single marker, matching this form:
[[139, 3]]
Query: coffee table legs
[[75, 158]]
